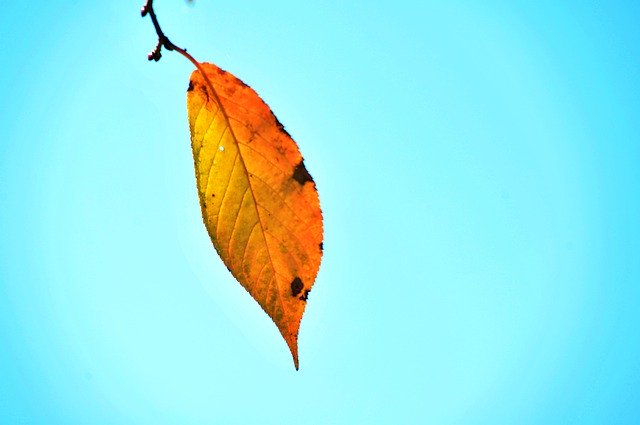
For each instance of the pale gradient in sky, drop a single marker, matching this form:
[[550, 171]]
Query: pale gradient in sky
[[477, 164]]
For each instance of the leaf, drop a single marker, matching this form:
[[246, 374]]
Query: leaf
[[259, 203]]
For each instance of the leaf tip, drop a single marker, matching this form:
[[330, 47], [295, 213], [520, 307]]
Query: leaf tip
[[292, 342]]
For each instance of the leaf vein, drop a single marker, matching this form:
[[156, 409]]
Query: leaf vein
[[226, 190], [244, 251], [235, 221], [284, 201], [294, 257], [204, 136]]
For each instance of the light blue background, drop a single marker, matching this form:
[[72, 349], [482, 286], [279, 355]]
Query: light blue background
[[478, 167]]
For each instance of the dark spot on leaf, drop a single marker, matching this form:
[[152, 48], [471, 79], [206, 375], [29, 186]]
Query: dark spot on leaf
[[296, 286], [321, 246], [206, 92], [213, 195], [241, 83], [279, 125], [304, 296], [190, 86], [301, 175]]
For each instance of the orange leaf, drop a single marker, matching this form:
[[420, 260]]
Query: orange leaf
[[259, 203]]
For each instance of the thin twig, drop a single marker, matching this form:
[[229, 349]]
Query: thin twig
[[163, 40]]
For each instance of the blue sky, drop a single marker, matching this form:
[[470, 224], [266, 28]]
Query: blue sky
[[477, 164]]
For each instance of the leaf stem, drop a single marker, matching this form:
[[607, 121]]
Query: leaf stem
[[163, 41]]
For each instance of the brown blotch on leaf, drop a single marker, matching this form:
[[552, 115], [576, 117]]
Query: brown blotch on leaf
[[301, 175], [190, 86], [304, 296], [296, 286], [321, 246]]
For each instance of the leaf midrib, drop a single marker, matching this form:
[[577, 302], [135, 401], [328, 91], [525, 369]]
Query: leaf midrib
[[253, 195]]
